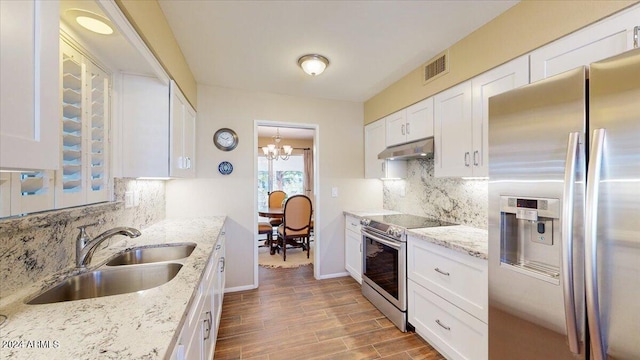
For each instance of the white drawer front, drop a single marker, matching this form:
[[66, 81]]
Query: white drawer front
[[459, 278], [352, 223], [453, 332]]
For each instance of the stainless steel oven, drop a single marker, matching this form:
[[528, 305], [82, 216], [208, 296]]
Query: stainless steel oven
[[384, 277], [384, 262]]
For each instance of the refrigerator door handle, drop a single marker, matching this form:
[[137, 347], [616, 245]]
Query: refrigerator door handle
[[591, 230], [567, 242]]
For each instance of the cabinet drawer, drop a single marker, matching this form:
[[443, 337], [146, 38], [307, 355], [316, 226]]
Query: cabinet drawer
[[352, 223], [458, 278], [453, 332]]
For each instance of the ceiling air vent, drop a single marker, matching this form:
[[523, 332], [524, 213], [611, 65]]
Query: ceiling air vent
[[436, 67]]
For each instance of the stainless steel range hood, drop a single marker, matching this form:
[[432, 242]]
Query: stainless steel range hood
[[419, 149]]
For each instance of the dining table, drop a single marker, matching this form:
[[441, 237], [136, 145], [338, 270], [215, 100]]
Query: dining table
[[271, 212]]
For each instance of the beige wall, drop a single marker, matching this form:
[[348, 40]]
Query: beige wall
[[340, 164], [524, 27], [149, 21]]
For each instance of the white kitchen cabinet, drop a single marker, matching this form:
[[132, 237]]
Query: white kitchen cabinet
[[158, 129], [197, 340], [598, 41], [182, 122], [353, 247], [462, 120], [453, 131], [410, 124], [374, 143], [29, 69], [493, 82], [448, 299]]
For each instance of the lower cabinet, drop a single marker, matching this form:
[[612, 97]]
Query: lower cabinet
[[448, 299], [353, 247], [198, 335]]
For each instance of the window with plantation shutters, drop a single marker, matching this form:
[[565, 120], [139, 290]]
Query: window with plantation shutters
[[85, 87]]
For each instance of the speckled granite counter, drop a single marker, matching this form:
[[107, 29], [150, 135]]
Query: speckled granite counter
[[465, 239], [365, 213], [140, 325]]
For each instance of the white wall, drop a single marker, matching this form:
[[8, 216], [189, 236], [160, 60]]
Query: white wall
[[341, 164]]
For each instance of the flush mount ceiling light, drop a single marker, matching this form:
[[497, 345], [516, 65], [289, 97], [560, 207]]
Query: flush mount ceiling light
[[313, 64], [91, 21]]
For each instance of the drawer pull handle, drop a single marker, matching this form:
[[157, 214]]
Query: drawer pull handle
[[443, 326], [441, 272]]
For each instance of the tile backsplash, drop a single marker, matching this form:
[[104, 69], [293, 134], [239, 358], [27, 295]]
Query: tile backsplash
[[41, 244], [448, 199]]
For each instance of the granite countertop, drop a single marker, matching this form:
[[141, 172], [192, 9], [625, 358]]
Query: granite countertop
[[139, 325], [465, 239], [365, 213]]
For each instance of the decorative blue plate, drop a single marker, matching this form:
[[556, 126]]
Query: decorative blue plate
[[225, 168]]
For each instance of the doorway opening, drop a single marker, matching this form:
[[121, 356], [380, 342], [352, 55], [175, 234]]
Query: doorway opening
[[293, 171]]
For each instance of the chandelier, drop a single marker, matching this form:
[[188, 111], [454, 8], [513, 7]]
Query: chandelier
[[275, 151]]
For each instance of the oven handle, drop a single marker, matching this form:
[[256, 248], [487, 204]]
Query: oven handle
[[389, 243]]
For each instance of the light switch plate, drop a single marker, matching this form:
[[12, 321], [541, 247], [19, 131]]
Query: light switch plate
[[334, 192], [128, 199]]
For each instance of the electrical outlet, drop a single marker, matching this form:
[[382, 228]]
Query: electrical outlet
[[136, 198], [128, 199]]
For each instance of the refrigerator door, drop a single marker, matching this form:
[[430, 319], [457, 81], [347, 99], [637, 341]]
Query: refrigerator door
[[613, 200], [535, 132]]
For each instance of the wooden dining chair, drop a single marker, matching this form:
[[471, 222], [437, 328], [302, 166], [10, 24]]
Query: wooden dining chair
[[275, 200], [296, 225], [265, 228]]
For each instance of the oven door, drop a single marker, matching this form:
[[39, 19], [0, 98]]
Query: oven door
[[384, 267]]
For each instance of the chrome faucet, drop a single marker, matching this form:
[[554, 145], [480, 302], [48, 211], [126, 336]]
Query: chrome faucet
[[85, 246]]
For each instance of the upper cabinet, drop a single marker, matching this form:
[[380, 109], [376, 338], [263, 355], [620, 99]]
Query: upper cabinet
[[29, 67], [374, 143], [462, 119], [183, 132], [453, 131], [412, 123], [601, 40], [158, 129]]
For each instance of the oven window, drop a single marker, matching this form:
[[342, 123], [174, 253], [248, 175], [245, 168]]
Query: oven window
[[381, 266]]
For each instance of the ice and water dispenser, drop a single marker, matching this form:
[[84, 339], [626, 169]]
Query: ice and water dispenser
[[530, 236]]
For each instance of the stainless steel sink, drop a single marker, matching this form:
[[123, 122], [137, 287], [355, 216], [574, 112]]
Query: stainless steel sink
[[153, 254], [109, 282]]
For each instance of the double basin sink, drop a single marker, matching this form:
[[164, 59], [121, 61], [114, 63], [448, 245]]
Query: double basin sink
[[134, 270]]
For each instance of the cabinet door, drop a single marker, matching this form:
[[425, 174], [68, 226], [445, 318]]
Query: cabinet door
[[601, 40], [396, 128], [353, 254], [29, 69], [145, 127], [420, 120], [453, 131], [501, 79], [182, 137], [374, 143]]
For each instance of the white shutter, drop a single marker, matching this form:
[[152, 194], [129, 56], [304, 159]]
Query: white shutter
[[97, 161], [32, 192]]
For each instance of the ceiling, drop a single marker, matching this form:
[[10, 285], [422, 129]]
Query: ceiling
[[254, 45], [286, 132], [114, 51]]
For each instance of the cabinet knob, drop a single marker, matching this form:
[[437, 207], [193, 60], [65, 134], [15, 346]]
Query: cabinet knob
[[402, 129], [408, 129], [476, 155], [467, 157]]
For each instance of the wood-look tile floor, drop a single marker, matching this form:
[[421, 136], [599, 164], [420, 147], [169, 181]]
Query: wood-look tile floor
[[293, 316]]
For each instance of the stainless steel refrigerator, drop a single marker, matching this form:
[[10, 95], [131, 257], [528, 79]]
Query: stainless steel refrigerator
[[564, 215]]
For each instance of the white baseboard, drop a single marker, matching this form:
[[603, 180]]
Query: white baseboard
[[331, 276], [240, 288]]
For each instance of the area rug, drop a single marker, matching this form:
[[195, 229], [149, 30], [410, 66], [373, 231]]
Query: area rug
[[295, 258]]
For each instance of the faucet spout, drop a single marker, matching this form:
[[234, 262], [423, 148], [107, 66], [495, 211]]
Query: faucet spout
[[85, 246]]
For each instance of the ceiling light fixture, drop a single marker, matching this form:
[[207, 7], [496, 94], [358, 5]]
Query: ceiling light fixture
[[92, 21], [313, 64], [275, 151]]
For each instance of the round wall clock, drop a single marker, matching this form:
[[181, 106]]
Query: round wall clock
[[225, 168], [225, 139]]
